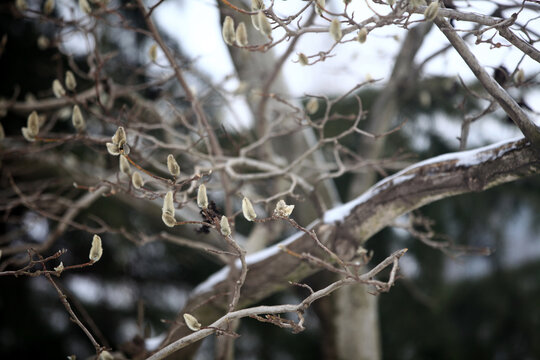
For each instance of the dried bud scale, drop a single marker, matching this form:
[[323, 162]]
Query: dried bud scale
[[241, 35], [248, 210], [192, 323], [225, 228], [202, 197], [96, 250], [77, 119], [282, 209], [58, 89], [172, 166], [335, 29], [70, 81], [228, 30]]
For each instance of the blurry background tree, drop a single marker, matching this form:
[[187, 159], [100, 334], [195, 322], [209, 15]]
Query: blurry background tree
[[74, 74]]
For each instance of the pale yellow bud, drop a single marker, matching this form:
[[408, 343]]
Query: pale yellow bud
[[48, 7], [173, 166], [124, 166], [431, 11], [43, 42], [241, 35], [319, 6], [33, 123], [152, 53], [2, 133], [303, 59], [248, 210], [192, 323], [255, 21], [225, 227], [137, 180], [257, 5], [417, 3], [77, 119], [58, 89], [264, 25], [70, 81], [519, 78], [168, 204], [21, 5], [202, 197], [282, 209], [105, 355], [96, 250], [113, 149], [85, 6], [390, 2], [312, 106], [228, 30], [362, 35], [168, 220], [335, 29], [27, 135], [59, 268], [119, 137]]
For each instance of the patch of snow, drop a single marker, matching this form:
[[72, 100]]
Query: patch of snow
[[153, 343]]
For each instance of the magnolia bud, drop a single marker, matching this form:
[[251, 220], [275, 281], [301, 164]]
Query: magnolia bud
[[168, 204], [228, 30], [335, 29], [21, 5], [77, 119], [96, 250], [48, 7], [137, 180], [302, 59], [152, 52], [519, 78], [43, 42], [33, 123], [362, 35], [2, 133], [431, 11], [60, 267], [124, 165], [70, 81], [202, 198], [119, 137], [264, 25], [192, 323], [248, 210], [319, 5], [282, 209], [225, 227], [173, 166], [241, 35], [58, 89], [85, 6], [105, 355], [417, 3], [312, 106], [257, 5], [168, 220]]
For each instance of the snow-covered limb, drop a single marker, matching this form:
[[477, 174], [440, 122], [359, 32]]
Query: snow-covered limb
[[425, 182]]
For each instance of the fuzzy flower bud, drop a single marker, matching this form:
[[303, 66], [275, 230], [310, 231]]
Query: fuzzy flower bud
[[167, 212], [124, 165], [43, 42], [113, 149], [59, 268], [85, 6], [362, 35], [225, 227], [257, 5], [241, 35], [312, 106], [119, 137], [519, 78], [58, 89], [202, 198], [264, 25], [417, 3], [248, 210], [77, 118], [21, 5], [335, 29], [192, 323], [228, 30], [319, 5], [152, 53], [173, 166], [32, 127], [137, 180], [431, 11], [48, 7], [2, 133], [282, 209], [96, 250], [70, 81], [302, 59]]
